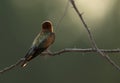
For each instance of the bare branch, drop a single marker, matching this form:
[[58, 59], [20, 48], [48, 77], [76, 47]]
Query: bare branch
[[94, 46], [62, 51], [80, 50], [12, 66], [66, 50]]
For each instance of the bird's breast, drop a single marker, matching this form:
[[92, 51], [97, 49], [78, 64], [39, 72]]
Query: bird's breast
[[49, 41]]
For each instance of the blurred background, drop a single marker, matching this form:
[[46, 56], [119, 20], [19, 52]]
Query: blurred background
[[20, 22]]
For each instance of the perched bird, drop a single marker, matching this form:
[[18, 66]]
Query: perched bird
[[43, 40]]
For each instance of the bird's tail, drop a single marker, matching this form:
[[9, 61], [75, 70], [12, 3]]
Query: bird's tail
[[24, 63]]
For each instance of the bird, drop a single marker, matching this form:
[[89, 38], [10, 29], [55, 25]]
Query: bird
[[43, 40]]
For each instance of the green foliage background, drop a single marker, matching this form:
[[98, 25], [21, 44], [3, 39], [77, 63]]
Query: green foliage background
[[20, 21]]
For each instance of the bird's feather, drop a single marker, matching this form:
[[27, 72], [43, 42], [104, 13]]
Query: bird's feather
[[40, 44]]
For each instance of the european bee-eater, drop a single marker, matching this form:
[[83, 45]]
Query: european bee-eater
[[43, 40]]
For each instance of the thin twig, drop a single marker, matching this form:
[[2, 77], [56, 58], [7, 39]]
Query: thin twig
[[66, 50], [61, 18], [12, 66], [80, 50], [94, 46]]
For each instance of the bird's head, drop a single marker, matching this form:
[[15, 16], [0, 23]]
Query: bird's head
[[47, 26]]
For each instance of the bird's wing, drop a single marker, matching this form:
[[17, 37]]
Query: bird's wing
[[40, 44]]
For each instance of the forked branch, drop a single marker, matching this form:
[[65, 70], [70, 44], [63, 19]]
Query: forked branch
[[94, 45], [62, 51]]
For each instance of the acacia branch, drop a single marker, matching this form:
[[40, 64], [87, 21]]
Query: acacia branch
[[62, 51], [94, 45]]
